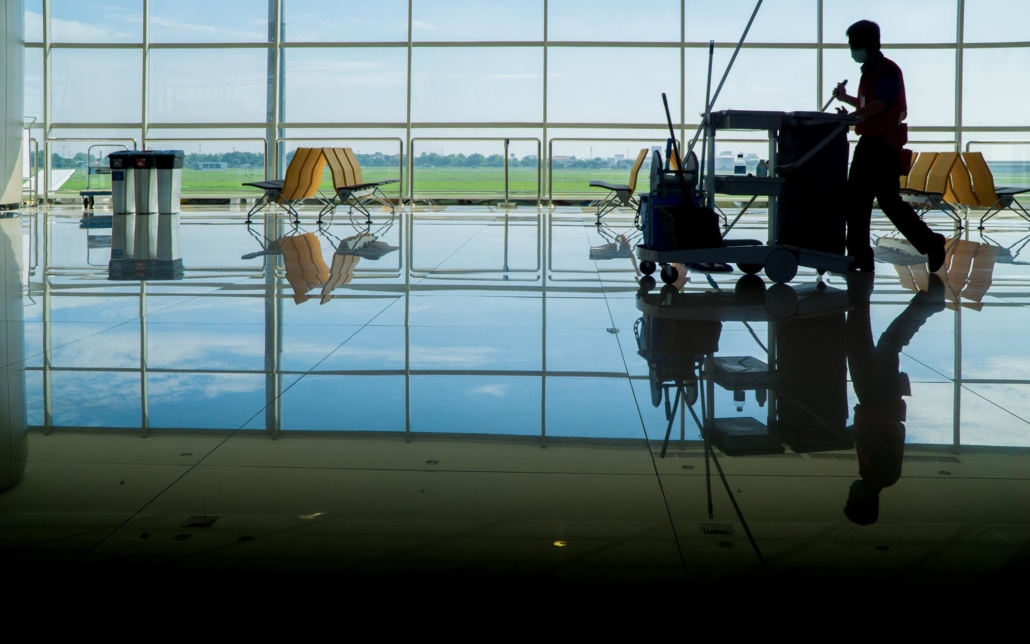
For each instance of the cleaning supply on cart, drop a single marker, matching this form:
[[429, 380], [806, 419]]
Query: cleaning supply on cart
[[763, 169], [740, 165]]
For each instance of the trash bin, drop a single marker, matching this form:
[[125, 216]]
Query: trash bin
[[123, 204], [145, 170]]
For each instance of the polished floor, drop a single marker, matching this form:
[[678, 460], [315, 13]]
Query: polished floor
[[468, 391]]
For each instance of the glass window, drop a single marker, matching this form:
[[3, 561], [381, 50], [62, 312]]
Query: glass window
[[346, 84], [761, 79], [33, 20], [34, 83], [489, 84], [82, 95], [323, 21], [996, 21], [777, 20], [929, 81], [900, 22], [612, 85], [103, 21], [205, 21], [608, 20], [988, 96], [209, 85], [478, 20]]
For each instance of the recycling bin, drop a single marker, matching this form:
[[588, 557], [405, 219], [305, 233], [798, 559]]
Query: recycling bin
[[123, 204], [144, 165], [169, 190]]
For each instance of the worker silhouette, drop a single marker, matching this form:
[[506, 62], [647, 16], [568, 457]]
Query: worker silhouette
[[881, 109], [879, 420]]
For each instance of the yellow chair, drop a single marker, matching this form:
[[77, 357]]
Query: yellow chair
[[301, 182], [351, 188], [904, 177], [920, 169], [620, 194], [931, 195], [993, 199]]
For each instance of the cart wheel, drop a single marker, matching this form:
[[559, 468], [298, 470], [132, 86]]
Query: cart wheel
[[646, 283], [750, 286], [781, 266], [669, 273], [750, 269], [647, 267], [781, 301]]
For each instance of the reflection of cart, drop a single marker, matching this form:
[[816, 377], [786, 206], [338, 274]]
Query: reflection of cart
[[810, 172]]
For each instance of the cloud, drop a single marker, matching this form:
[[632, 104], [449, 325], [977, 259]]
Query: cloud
[[190, 29], [497, 391], [422, 26]]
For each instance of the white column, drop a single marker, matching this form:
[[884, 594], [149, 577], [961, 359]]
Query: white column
[[12, 103]]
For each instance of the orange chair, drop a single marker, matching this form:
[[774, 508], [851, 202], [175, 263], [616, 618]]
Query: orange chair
[[305, 267], [302, 178], [351, 188], [620, 194], [993, 199], [931, 195]]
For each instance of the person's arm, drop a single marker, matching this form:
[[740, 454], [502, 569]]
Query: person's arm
[[842, 95]]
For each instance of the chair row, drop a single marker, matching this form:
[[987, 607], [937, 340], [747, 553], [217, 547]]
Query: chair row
[[304, 176], [947, 181]]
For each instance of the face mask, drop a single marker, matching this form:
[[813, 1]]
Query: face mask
[[859, 55]]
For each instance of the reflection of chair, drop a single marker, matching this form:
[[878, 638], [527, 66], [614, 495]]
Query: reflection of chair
[[305, 268], [351, 188], [302, 178], [620, 195], [969, 269], [931, 195], [993, 199]]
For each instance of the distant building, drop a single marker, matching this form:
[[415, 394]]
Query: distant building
[[213, 165], [562, 160]]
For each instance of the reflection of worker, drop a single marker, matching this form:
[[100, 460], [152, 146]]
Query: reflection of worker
[[879, 385], [876, 165]]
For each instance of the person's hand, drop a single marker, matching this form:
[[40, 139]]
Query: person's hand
[[841, 110], [840, 91]]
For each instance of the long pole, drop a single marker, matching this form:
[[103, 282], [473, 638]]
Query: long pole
[[708, 99], [708, 106]]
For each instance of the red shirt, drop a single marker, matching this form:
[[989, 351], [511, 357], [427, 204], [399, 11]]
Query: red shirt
[[883, 81]]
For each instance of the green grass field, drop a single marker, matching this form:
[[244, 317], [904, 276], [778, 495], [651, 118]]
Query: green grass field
[[429, 182]]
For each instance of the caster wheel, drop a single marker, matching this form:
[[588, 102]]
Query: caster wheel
[[750, 269], [669, 273], [646, 283], [647, 268], [750, 286], [781, 266], [781, 301]]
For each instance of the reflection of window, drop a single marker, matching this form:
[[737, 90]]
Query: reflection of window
[[345, 84], [322, 21], [113, 21], [996, 21], [900, 22], [82, 95], [477, 84], [205, 21], [595, 20], [989, 98], [208, 85], [577, 79], [479, 20], [777, 20]]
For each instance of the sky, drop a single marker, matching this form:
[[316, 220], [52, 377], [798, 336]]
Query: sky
[[505, 84]]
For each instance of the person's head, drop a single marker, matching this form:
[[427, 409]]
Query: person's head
[[864, 40]]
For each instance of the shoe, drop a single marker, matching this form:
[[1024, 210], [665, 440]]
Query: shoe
[[935, 256]]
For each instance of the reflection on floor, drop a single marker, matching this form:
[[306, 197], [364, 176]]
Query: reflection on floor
[[494, 394]]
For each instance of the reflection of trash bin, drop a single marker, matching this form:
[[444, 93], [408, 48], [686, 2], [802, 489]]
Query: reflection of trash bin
[[169, 190], [145, 179], [123, 204]]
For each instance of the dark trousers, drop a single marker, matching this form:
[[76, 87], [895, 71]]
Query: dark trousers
[[875, 173]]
